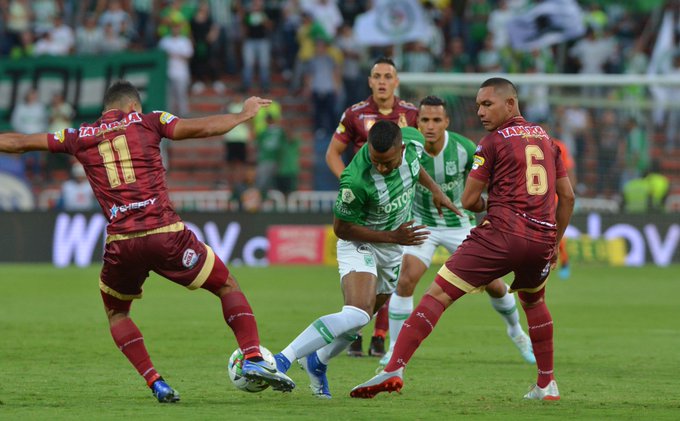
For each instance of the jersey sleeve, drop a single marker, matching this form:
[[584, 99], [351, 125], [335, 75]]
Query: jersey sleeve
[[62, 141], [413, 136], [163, 122], [345, 130], [349, 204], [483, 160]]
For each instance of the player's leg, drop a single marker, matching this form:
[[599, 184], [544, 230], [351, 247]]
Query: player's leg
[[401, 302], [121, 281], [541, 333], [440, 295], [183, 259], [382, 323], [504, 303]]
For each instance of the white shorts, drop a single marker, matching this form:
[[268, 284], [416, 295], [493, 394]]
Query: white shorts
[[450, 238], [382, 260]]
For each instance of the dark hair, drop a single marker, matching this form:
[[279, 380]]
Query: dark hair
[[385, 60], [384, 135], [433, 100], [119, 91], [499, 82]]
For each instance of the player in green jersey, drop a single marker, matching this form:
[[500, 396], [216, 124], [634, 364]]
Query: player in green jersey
[[372, 222], [448, 160]]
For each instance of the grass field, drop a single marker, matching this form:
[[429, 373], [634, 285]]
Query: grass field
[[617, 351]]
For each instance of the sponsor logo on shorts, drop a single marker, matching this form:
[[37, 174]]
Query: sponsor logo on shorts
[[368, 259], [545, 271], [189, 258]]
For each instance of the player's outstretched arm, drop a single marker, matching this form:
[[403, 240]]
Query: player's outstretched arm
[[439, 199], [334, 156], [472, 199], [407, 234], [192, 128], [20, 143]]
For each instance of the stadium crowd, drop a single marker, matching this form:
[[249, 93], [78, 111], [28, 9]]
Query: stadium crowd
[[304, 42]]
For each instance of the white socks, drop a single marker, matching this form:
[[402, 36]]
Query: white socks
[[326, 330], [507, 308], [399, 308]]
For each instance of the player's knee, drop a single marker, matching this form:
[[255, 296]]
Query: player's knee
[[220, 281], [406, 286], [356, 317], [531, 299], [496, 288]]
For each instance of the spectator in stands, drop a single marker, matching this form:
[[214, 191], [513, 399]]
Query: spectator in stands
[[76, 193], [489, 57], [25, 47], [289, 166], [61, 115], [204, 33], [659, 186], [256, 46], [29, 117], [592, 53], [44, 13], [325, 12], [457, 60], [309, 31], [224, 50], [144, 24], [610, 152], [19, 20], [113, 42], [63, 36], [236, 153], [268, 145], [637, 159], [323, 84], [260, 121], [120, 20], [417, 57], [353, 55], [291, 21], [89, 36], [497, 25], [179, 49]]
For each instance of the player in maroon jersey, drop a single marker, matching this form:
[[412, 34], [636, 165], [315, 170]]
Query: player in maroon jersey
[[520, 166], [352, 132], [121, 156]]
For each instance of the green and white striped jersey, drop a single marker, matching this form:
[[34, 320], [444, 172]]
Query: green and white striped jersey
[[449, 169], [378, 202]]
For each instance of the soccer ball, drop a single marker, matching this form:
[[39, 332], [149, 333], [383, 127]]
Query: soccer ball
[[234, 369]]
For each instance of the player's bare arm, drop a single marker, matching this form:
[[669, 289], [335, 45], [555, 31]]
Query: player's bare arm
[[472, 199], [407, 234], [20, 143], [191, 128], [565, 205], [439, 199], [334, 156]]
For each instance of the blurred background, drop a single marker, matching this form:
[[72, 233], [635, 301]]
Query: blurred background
[[603, 76]]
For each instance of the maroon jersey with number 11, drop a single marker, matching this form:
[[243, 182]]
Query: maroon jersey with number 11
[[122, 160], [521, 164]]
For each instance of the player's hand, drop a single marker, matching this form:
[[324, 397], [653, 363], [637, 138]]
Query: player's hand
[[410, 235], [253, 104], [440, 200], [553, 258]]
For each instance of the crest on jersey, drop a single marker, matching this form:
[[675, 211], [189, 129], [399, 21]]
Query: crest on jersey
[[402, 120], [415, 167], [347, 196], [369, 122], [477, 162], [451, 168]]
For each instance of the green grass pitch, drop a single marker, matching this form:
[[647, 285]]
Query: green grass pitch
[[617, 351]]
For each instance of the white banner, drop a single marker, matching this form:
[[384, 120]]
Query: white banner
[[392, 22], [549, 22]]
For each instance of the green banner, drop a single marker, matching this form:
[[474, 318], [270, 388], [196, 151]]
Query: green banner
[[82, 80]]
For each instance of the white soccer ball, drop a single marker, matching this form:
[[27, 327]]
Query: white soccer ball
[[234, 369]]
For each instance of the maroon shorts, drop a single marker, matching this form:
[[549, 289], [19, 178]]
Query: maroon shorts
[[488, 254], [173, 252]]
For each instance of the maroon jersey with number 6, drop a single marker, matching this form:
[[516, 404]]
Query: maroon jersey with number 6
[[521, 164], [358, 119], [122, 160]]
